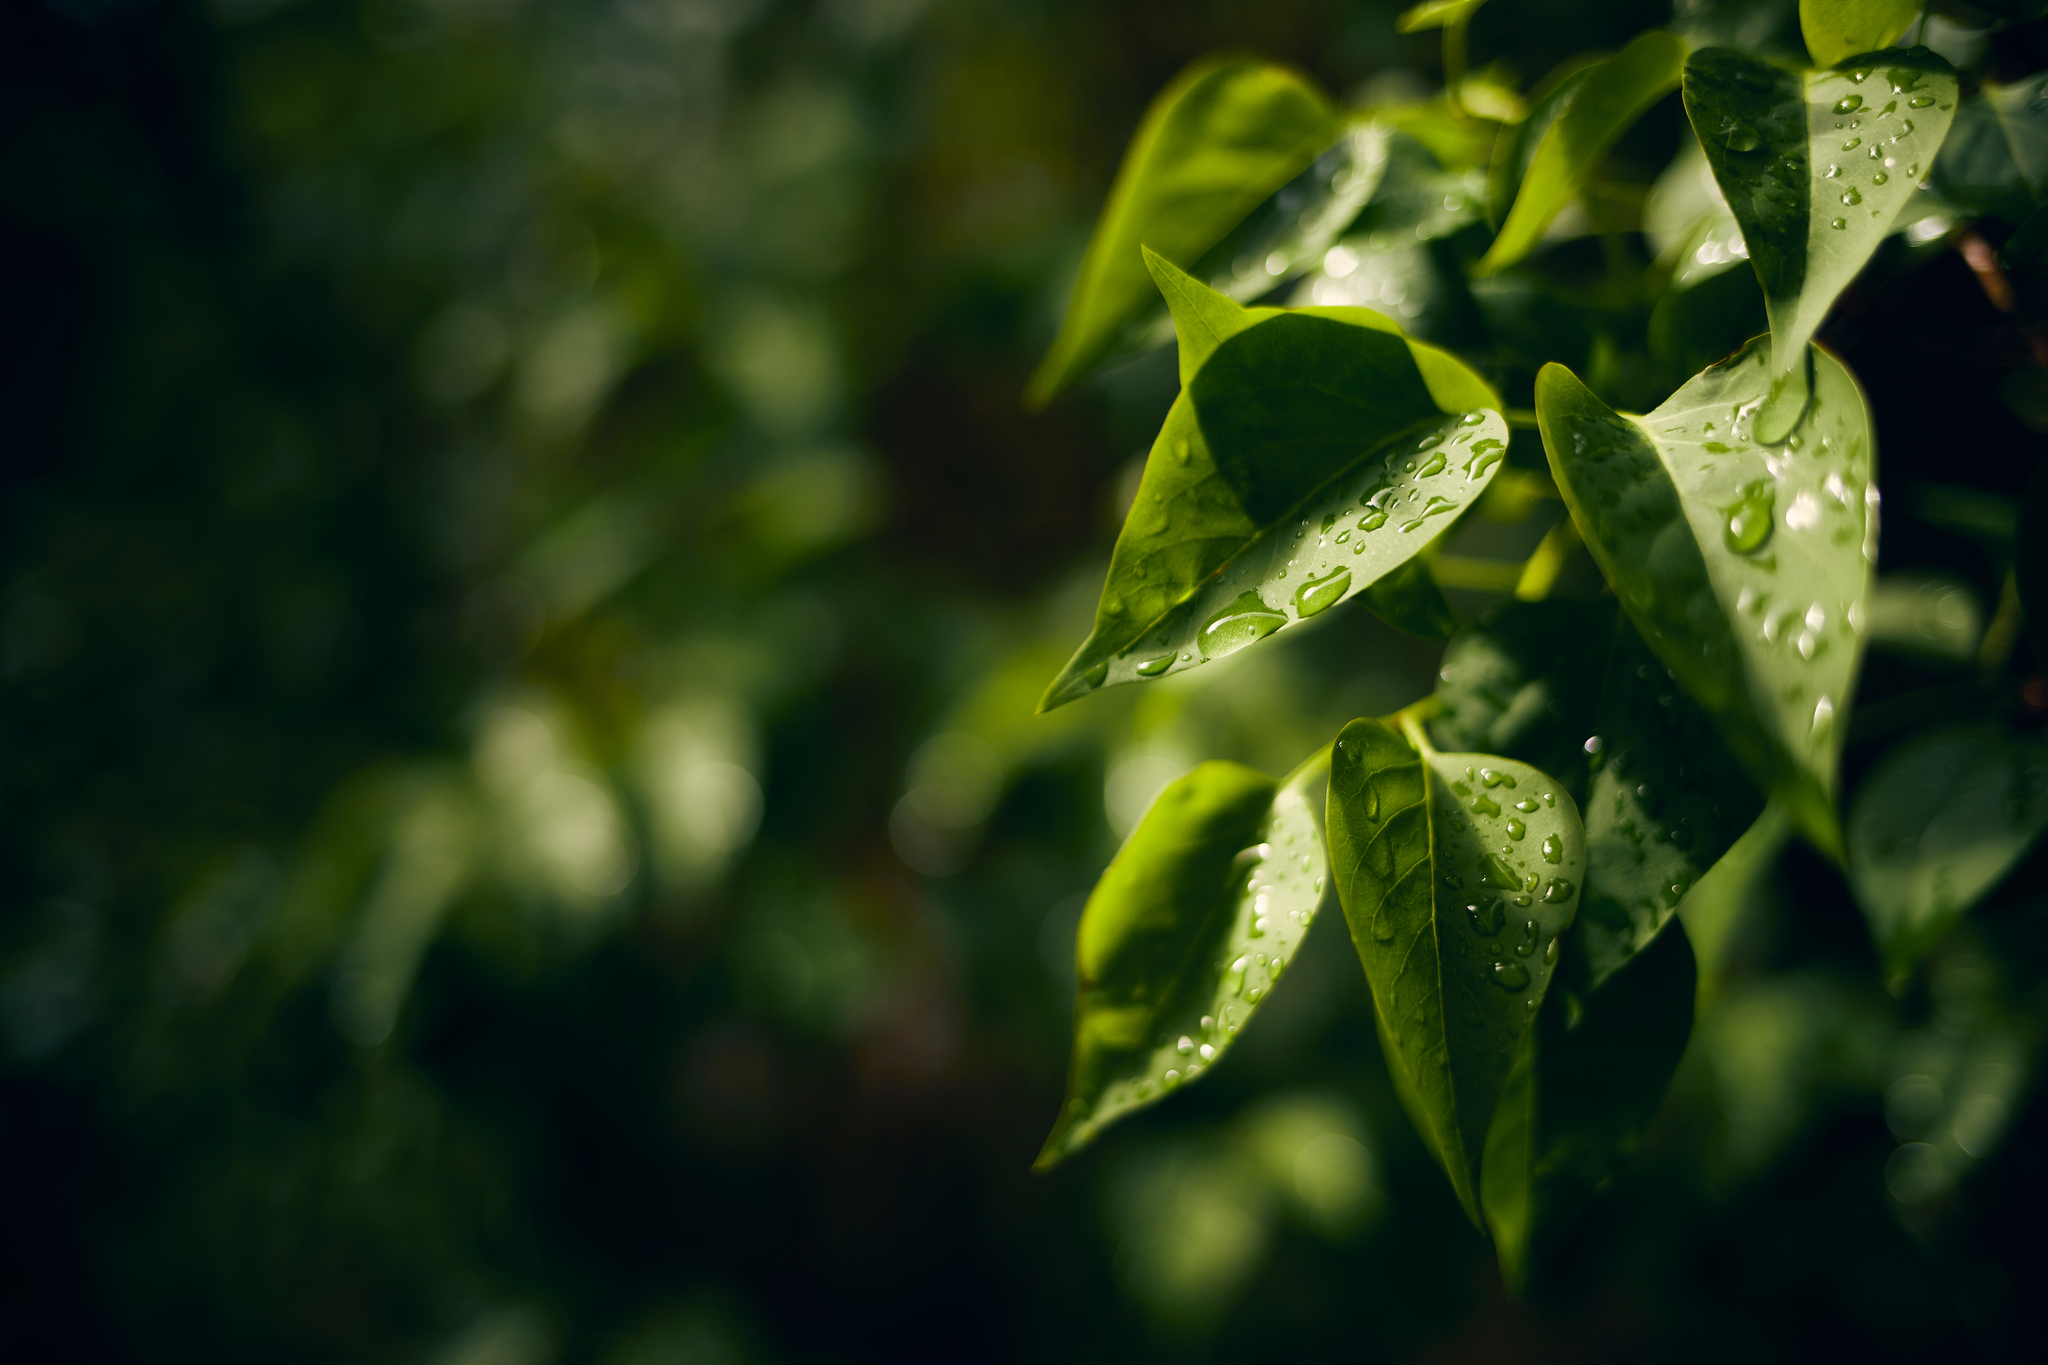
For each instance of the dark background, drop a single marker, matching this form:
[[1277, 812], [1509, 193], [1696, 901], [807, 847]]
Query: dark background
[[508, 503]]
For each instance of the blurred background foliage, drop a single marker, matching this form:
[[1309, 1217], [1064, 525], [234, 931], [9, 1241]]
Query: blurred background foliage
[[526, 577]]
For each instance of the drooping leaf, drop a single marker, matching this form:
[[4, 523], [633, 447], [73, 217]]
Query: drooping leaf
[[1309, 454], [1457, 873], [1745, 566], [1602, 104], [1815, 165], [1216, 143], [1436, 14], [1190, 926], [1939, 822], [1590, 1078], [1837, 30], [1995, 159]]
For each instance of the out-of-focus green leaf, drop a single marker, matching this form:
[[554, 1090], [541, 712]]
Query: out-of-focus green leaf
[[1221, 138], [1188, 929], [1943, 817], [1455, 895], [1408, 599], [1436, 14], [1934, 617], [1837, 30], [1995, 159], [1814, 165], [1601, 105], [1713, 910], [1309, 454], [1746, 567], [1688, 221], [2030, 560], [1525, 682], [1590, 1077], [1292, 233]]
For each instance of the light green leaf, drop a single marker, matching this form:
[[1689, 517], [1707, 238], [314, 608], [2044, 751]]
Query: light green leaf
[[1217, 142], [1837, 30], [1310, 454], [1188, 929], [1436, 14], [1745, 566], [1516, 146], [1814, 165], [1714, 909], [1455, 895], [1603, 103], [1941, 820], [1291, 233], [1995, 159], [1590, 1078]]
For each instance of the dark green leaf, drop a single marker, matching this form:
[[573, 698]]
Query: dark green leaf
[[1714, 909], [1814, 165], [1837, 30], [1436, 14], [1590, 1077], [1746, 567], [1525, 683], [1221, 138], [1995, 160], [1310, 454], [1457, 873], [2030, 561], [1937, 824], [1408, 599], [1602, 105], [1189, 928]]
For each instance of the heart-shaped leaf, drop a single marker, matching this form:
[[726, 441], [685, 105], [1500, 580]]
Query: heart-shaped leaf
[[1212, 147], [1457, 873], [1940, 822], [1814, 165], [1603, 101], [1746, 566], [1310, 454], [1837, 30], [1190, 926]]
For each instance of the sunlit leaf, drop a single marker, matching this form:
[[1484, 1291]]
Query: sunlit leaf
[[1216, 143], [1436, 14], [1602, 104], [1814, 165], [1188, 929], [1310, 454], [1937, 824], [1292, 232], [1745, 566], [1590, 1077], [1995, 159], [1457, 873], [1837, 30], [1516, 146]]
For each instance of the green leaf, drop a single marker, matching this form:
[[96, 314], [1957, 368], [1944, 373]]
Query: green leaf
[[1525, 683], [1837, 30], [1815, 165], [1516, 146], [1190, 926], [2030, 560], [1939, 822], [1292, 232], [1714, 909], [1995, 159], [1590, 1078], [1436, 14], [1746, 567], [1310, 454], [1217, 142], [1457, 873], [1408, 599], [1602, 104]]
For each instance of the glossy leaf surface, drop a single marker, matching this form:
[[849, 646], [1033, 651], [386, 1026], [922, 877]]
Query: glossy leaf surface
[[1604, 101], [1457, 873], [1188, 929], [1815, 165], [1939, 823], [1836, 30], [1745, 566], [1310, 454], [1215, 144]]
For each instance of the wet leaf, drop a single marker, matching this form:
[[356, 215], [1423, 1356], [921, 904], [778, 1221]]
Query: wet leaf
[[1837, 30], [1601, 104], [1814, 165], [1191, 925], [1213, 146], [1939, 822], [1309, 454], [1746, 567], [1455, 899]]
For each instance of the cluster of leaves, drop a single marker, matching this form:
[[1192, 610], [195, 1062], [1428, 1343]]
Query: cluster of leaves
[[1519, 855]]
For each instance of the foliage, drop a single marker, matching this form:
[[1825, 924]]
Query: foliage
[[1735, 524]]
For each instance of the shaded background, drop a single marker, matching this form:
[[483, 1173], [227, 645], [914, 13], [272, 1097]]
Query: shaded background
[[524, 581]]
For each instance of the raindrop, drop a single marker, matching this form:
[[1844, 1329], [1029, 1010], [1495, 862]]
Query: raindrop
[[1558, 892], [1550, 953], [1848, 104], [1496, 779], [1472, 419], [1170, 1079], [1487, 919], [1852, 196], [1919, 101], [1097, 675], [1152, 668], [1879, 179], [1319, 594], [1749, 519], [1529, 939], [1254, 993], [1245, 621], [1509, 976], [1553, 849], [1516, 829], [1485, 805], [1208, 1053], [1185, 1046], [1382, 927], [1433, 465], [1838, 223], [1852, 144], [1181, 450], [1740, 137], [1372, 521]]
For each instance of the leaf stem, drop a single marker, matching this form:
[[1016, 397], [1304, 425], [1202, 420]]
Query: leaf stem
[[1454, 67], [1411, 718]]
